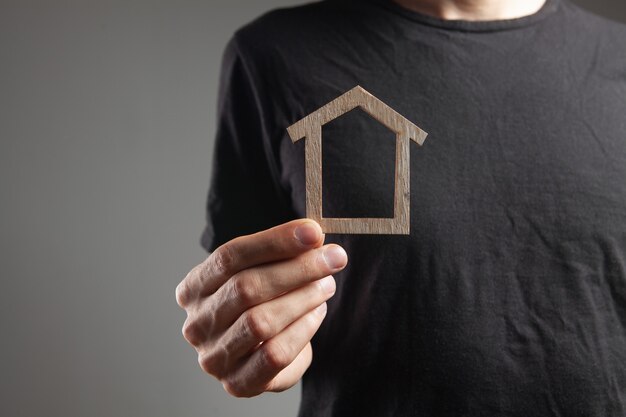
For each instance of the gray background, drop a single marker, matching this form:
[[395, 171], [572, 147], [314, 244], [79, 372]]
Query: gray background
[[107, 112]]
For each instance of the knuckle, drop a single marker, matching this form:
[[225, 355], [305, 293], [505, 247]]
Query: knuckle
[[207, 362], [237, 388], [222, 260], [192, 332], [275, 356], [322, 288], [183, 296], [310, 267], [257, 325], [276, 243], [240, 387], [313, 321], [314, 265], [246, 287]]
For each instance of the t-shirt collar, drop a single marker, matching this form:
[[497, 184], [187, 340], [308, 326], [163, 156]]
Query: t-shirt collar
[[471, 25]]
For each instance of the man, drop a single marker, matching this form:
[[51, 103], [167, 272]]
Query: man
[[508, 298]]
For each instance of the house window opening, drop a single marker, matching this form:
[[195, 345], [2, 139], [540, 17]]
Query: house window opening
[[358, 167]]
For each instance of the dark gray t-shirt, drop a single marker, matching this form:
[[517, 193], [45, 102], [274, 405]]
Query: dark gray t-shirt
[[508, 298]]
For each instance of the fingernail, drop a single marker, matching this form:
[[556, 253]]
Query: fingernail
[[335, 257], [322, 309], [328, 285], [307, 233]]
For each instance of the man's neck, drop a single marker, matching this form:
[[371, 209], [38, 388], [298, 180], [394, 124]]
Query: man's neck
[[474, 9]]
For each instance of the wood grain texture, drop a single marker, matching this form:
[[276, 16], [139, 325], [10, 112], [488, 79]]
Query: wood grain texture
[[310, 127]]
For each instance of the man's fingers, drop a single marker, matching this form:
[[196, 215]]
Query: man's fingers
[[266, 320], [281, 242], [257, 374], [271, 277], [258, 285]]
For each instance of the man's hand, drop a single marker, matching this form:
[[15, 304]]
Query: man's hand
[[255, 303]]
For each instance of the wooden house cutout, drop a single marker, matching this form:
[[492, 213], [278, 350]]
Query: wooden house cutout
[[310, 127]]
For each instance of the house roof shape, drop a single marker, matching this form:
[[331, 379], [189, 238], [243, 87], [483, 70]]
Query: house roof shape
[[357, 97], [310, 127]]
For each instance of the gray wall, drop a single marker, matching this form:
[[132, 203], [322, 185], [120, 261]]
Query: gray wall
[[106, 118]]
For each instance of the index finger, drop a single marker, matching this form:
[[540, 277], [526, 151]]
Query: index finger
[[281, 242]]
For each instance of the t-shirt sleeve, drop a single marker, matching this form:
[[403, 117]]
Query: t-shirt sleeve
[[244, 193]]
